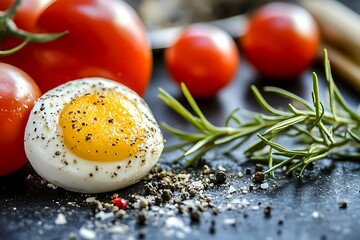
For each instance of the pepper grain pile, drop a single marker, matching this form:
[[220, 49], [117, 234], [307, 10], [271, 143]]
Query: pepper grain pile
[[175, 200], [172, 203]]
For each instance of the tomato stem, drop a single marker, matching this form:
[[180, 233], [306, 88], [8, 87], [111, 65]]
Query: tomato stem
[[10, 13], [9, 29]]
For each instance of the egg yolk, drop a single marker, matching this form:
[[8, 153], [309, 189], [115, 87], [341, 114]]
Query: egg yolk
[[102, 127]]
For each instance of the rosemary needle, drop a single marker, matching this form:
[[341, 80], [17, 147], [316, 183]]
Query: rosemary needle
[[323, 131]]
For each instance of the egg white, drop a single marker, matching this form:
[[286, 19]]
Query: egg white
[[54, 162]]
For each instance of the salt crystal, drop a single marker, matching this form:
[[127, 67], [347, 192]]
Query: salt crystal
[[60, 219], [229, 206], [255, 207], [155, 208], [231, 190], [171, 206], [87, 233], [120, 228], [173, 222], [72, 204], [315, 214], [228, 196], [176, 223], [103, 215], [188, 203], [264, 186], [90, 199], [229, 221], [50, 185], [236, 201], [150, 198], [197, 183], [221, 168], [245, 203]]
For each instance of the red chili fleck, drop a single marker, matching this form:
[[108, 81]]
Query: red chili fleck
[[120, 202]]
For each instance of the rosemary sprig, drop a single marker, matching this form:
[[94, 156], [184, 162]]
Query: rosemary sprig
[[323, 131]]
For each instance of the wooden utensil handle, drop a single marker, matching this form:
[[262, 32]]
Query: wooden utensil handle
[[339, 25], [340, 29], [344, 66]]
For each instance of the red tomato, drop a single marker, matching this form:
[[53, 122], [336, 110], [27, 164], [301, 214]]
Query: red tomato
[[28, 12], [106, 39], [282, 40], [18, 93], [205, 58]]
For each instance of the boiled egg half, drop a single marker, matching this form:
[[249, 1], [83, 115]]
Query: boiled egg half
[[92, 135]]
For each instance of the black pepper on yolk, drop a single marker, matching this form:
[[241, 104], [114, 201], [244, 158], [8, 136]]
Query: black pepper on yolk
[[102, 127]]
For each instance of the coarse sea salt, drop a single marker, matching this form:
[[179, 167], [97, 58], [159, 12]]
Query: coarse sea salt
[[60, 219], [231, 190], [176, 223], [264, 186], [87, 233], [104, 215], [90, 199], [315, 214], [120, 228], [229, 221], [197, 184]]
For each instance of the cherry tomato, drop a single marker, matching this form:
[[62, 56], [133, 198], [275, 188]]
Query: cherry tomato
[[282, 40], [205, 58], [28, 12], [106, 39], [18, 92]]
